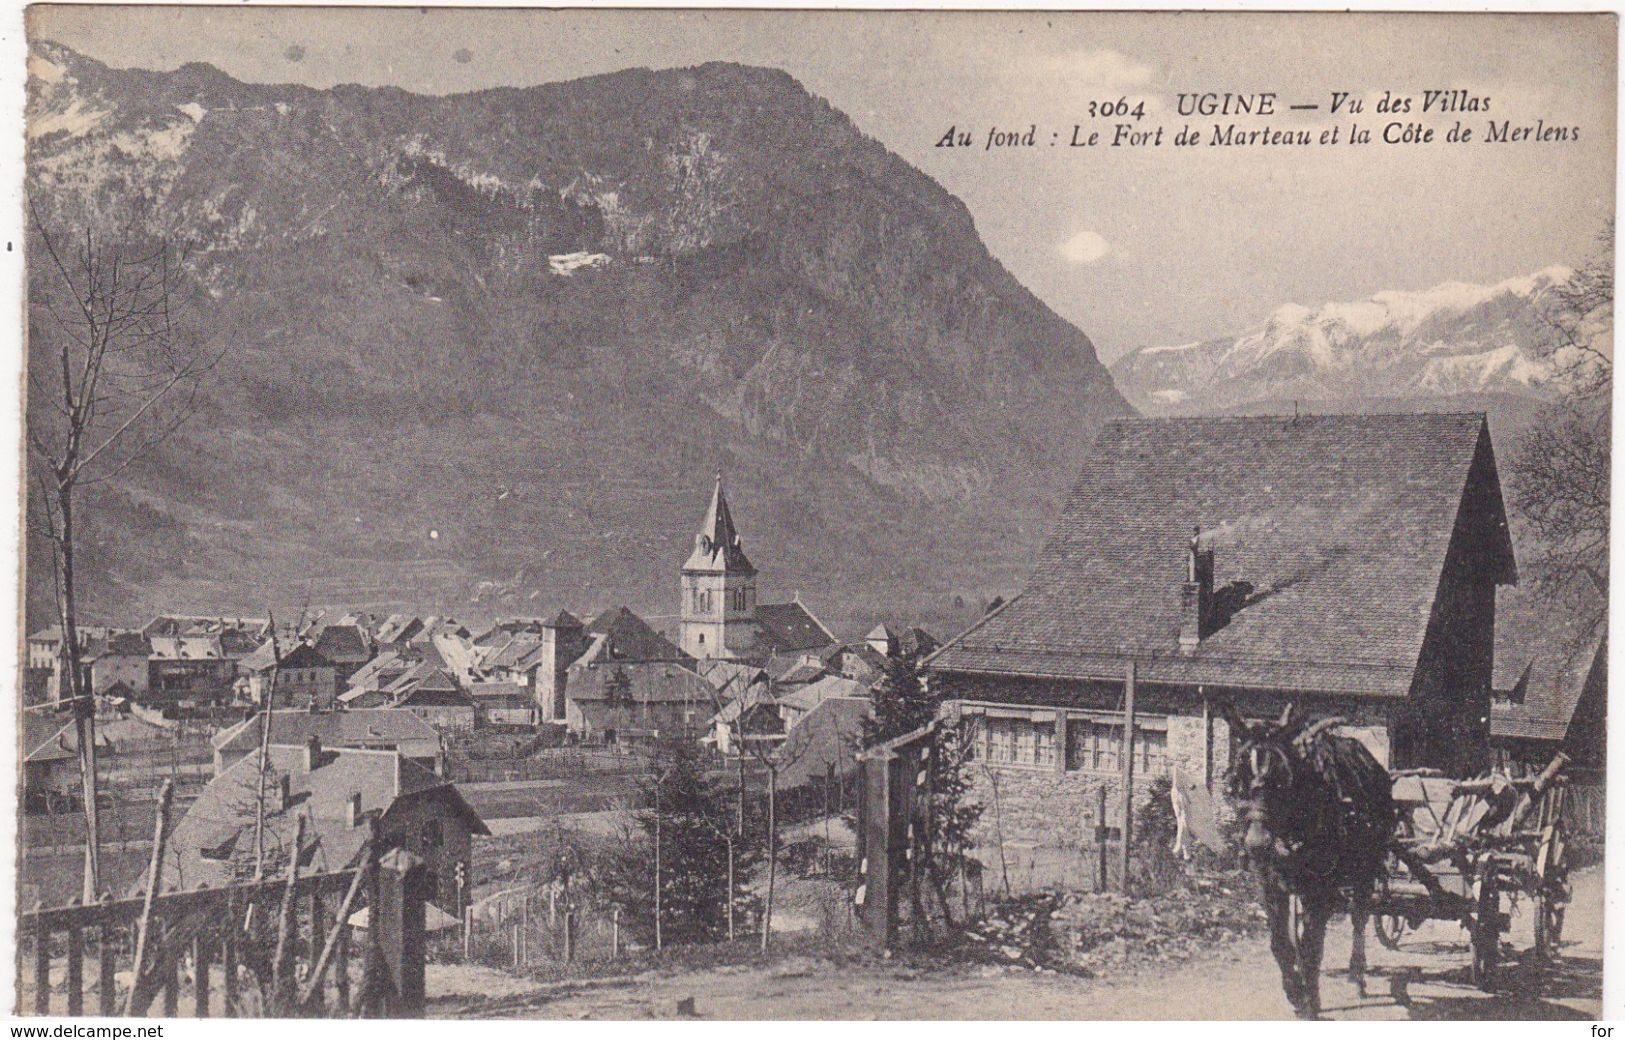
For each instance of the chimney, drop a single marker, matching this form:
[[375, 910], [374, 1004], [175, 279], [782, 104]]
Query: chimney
[[352, 810], [313, 753], [1196, 595]]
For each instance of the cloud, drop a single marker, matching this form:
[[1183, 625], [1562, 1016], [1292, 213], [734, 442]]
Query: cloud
[[1085, 247], [294, 52]]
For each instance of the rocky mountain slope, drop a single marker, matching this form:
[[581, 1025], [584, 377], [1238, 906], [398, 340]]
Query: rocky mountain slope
[[1450, 341], [486, 350]]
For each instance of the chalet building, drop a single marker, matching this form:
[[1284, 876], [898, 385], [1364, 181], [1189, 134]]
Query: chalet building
[[130, 752], [379, 729], [339, 792], [1551, 687], [1347, 564], [720, 614]]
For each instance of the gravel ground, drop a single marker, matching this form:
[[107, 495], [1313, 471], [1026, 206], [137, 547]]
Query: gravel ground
[[1425, 979]]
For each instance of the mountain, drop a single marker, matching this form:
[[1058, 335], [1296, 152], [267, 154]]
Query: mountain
[[484, 352], [1452, 341]]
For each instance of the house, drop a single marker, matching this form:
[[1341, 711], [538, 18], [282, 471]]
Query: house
[[44, 659], [503, 704], [720, 613], [130, 752], [1347, 564], [306, 678], [51, 779], [430, 692], [190, 682], [798, 703], [340, 792], [618, 702], [1551, 686], [118, 658], [569, 646], [346, 647], [750, 721], [822, 745], [381, 729]]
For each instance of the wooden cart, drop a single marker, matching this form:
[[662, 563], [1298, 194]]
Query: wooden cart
[[1463, 845]]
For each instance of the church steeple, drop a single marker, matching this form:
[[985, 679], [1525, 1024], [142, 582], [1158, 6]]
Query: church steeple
[[717, 548], [718, 587]]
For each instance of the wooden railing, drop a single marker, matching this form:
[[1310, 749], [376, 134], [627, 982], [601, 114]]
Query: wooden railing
[[241, 929]]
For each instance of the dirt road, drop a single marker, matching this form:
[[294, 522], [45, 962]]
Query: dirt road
[[1425, 979]]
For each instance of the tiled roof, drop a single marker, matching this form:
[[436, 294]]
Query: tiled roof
[[511, 653], [1329, 536], [790, 627], [647, 682], [814, 694], [826, 737], [1544, 656], [630, 638], [802, 672], [360, 727], [343, 643], [322, 795], [729, 677], [494, 691]]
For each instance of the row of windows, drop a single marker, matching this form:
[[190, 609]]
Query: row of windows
[[1091, 745], [735, 598]]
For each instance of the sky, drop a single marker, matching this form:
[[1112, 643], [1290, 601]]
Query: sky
[[1143, 246]]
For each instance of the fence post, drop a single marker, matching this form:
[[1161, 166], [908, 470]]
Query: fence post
[[399, 920], [615, 934], [76, 972], [569, 936], [1102, 854]]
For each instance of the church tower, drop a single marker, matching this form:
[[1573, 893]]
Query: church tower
[[719, 588]]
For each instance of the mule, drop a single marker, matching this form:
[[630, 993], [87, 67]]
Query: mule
[[1320, 816]]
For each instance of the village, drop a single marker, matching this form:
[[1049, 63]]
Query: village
[[510, 758]]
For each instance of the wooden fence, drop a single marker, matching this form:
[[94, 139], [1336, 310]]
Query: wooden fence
[[260, 949], [1586, 810]]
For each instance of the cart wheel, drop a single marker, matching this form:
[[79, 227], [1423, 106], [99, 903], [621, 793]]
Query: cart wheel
[[1486, 934], [1390, 928]]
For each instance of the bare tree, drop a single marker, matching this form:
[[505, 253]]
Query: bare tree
[[110, 377], [773, 751], [1560, 472]]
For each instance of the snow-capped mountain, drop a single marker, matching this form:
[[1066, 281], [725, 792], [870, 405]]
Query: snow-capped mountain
[[1449, 340]]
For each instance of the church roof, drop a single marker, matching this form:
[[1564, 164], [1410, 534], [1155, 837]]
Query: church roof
[[717, 549]]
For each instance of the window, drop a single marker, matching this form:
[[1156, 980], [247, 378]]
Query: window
[[433, 835], [1017, 741], [1098, 747]]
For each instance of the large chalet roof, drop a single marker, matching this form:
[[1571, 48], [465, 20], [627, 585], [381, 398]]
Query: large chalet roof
[[218, 822], [1329, 536]]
